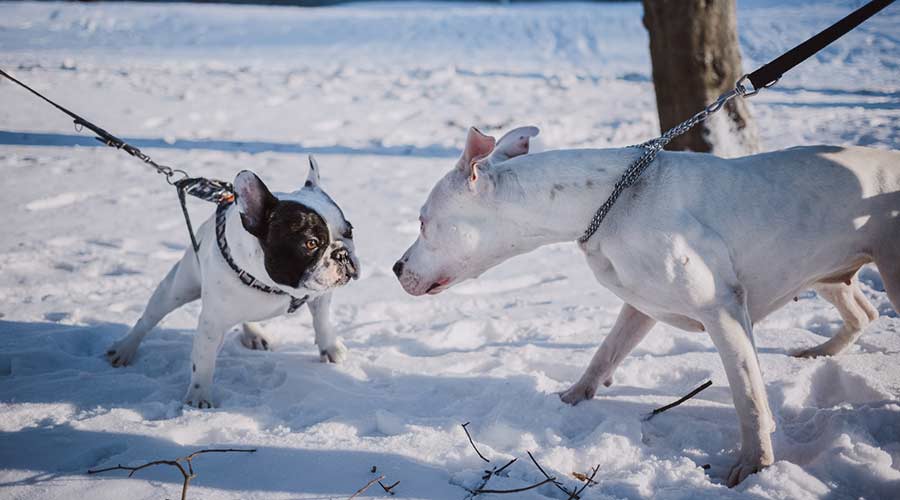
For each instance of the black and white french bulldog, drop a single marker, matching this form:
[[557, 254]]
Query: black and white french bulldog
[[260, 257]]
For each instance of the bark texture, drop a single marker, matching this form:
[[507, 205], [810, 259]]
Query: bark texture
[[696, 57]]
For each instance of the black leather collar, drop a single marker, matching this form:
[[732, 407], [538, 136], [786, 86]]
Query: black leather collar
[[245, 277]]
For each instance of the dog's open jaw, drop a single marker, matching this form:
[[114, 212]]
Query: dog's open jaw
[[450, 248], [306, 242]]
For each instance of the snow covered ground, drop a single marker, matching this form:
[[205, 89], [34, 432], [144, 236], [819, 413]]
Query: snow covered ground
[[382, 93]]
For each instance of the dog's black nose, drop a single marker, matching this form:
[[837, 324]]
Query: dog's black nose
[[398, 268]]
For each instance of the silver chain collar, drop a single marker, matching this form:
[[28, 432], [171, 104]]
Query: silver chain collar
[[654, 146]]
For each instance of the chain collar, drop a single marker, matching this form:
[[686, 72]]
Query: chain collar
[[245, 277], [652, 148]]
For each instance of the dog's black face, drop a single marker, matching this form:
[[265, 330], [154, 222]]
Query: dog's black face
[[299, 249], [295, 239]]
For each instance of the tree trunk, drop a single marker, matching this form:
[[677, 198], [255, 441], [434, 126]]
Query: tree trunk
[[695, 55]]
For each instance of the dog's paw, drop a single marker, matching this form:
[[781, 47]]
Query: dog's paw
[[121, 354], [822, 350], [578, 393], [748, 464], [253, 338], [198, 396], [334, 354]]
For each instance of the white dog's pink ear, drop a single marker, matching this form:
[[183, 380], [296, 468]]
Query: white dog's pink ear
[[513, 143], [478, 146], [255, 201], [312, 179]]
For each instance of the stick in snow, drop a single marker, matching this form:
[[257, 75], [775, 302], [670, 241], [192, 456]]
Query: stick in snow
[[473, 442], [676, 403], [187, 474], [364, 488], [555, 482], [388, 489], [518, 490], [588, 481]]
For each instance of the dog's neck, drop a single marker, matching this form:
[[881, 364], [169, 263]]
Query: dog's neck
[[246, 251], [554, 195]]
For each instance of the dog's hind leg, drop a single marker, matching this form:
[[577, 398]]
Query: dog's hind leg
[[855, 310], [631, 327], [180, 286], [254, 338], [889, 268]]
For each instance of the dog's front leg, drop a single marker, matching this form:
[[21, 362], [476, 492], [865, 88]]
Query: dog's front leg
[[331, 349], [631, 327], [211, 331], [731, 331]]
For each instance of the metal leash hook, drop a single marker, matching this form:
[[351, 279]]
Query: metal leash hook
[[742, 89]]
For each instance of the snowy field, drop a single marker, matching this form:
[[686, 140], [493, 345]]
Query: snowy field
[[382, 94]]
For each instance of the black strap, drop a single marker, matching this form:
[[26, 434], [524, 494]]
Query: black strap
[[771, 72], [211, 190], [103, 135]]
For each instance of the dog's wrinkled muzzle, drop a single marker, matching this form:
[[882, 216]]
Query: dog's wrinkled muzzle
[[343, 257]]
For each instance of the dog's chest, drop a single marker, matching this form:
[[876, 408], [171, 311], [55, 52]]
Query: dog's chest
[[648, 298]]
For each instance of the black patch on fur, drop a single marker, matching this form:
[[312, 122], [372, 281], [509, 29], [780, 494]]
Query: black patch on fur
[[288, 226]]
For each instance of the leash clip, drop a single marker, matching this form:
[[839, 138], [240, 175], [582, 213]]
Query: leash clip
[[742, 89]]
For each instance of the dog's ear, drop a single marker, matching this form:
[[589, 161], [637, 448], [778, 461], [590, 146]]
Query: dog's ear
[[478, 146], [255, 202], [513, 143], [312, 179]]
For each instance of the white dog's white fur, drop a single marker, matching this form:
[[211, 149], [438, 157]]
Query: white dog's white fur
[[226, 301], [700, 243]]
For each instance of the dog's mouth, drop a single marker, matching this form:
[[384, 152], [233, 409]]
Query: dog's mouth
[[438, 286]]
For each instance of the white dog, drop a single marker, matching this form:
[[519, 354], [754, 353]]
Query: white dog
[[701, 243], [261, 257]]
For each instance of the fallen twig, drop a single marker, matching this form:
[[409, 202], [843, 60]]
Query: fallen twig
[[501, 469], [364, 488], [488, 474], [518, 490], [388, 489], [676, 403], [473, 442], [187, 474], [588, 481], [583, 478], [555, 482]]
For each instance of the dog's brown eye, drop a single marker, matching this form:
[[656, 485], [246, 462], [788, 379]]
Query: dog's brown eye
[[312, 244]]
